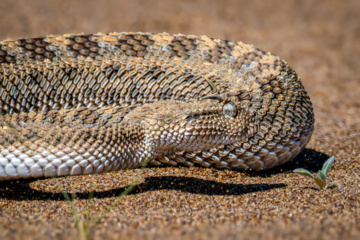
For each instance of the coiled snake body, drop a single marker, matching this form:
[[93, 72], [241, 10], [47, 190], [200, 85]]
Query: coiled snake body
[[92, 103]]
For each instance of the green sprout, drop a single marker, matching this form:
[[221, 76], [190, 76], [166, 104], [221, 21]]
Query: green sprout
[[85, 228], [320, 178]]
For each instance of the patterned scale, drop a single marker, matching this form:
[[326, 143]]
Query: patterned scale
[[91, 103]]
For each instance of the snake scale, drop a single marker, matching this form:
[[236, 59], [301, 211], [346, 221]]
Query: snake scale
[[90, 103]]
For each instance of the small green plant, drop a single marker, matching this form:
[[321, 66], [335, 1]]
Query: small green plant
[[320, 178], [86, 230]]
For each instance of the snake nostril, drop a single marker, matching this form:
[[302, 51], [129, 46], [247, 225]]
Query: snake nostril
[[230, 109]]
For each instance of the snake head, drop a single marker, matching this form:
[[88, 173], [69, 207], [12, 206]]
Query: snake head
[[194, 126], [224, 121]]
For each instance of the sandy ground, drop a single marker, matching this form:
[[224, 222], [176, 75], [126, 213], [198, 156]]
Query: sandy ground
[[320, 39]]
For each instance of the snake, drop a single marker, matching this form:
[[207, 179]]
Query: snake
[[77, 104]]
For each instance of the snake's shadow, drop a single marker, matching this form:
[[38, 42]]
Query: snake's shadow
[[21, 190], [309, 159]]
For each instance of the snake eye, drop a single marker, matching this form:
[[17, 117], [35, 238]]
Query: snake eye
[[230, 109]]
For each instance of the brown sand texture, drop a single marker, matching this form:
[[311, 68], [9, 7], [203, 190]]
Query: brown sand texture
[[320, 39]]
